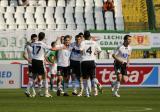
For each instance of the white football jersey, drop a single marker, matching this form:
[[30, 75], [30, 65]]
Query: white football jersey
[[75, 53], [63, 56], [89, 48], [28, 51], [39, 50], [123, 52]]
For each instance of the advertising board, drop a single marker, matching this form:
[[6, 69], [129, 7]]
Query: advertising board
[[9, 76]]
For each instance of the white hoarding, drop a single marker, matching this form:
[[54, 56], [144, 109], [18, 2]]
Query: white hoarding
[[155, 39], [112, 40], [10, 76]]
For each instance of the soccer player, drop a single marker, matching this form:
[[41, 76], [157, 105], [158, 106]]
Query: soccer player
[[88, 48], [27, 55], [75, 61], [38, 67], [121, 60], [51, 58], [63, 65]]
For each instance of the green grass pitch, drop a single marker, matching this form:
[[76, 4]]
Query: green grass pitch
[[131, 100]]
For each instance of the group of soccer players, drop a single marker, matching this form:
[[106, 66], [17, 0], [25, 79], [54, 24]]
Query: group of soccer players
[[70, 60]]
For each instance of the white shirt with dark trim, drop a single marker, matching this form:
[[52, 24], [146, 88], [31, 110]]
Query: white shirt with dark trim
[[89, 48], [75, 53], [63, 56], [39, 50], [123, 52], [28, 51]]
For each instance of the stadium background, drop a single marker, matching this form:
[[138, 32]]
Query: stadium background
[[139, 18]]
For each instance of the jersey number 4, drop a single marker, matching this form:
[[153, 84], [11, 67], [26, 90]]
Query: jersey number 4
[[89, 50], [36, 49]]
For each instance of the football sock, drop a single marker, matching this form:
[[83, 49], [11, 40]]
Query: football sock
[[65, 87], [74, 86], [94, 83], [81, 85], [86, 86], [46, 85], [40, 86], [113, 84], [117, 86], [30, 83], [51, 83]]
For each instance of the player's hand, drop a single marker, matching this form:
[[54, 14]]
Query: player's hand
[[58, 38], [29, 60], [64, 47], [123, 62]]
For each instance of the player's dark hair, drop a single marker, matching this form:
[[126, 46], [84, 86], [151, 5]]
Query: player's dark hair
[[87, 35], [41, 36], [53, 43], [126, 37], [67, 36], [33, 36], [77, 36], [80, 33]]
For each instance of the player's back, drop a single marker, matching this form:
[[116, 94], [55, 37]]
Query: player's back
[[89, 48], [39, 50]]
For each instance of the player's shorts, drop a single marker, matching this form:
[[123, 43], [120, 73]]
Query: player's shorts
[[75, 68], [53, 68], [38, 67], [88, 68], [63, 71], [120, 68]]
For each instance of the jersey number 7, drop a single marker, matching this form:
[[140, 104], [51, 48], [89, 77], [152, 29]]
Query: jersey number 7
[[36, 49]]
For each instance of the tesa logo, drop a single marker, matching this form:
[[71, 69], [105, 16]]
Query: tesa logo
[[136, 75]]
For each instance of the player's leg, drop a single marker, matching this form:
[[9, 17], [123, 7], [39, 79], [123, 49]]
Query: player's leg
[[53, 72], [113, 83], [99, 86], [86, 68], [116, 84], [94, 85], [43, 72], [85, 84], [66, 80], [30, 83], [81, 87], [32, 76], [93, 79], [73, 77], [80, 79], [59, 80], [122, 76], [75, 67], [122, 79]]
